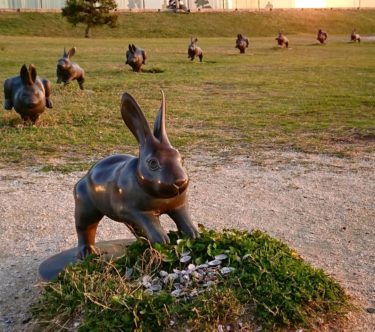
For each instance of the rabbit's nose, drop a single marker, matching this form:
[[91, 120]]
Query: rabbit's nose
[[181, 183]]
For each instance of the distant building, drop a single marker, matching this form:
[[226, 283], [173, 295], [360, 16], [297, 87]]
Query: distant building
[[195, 4]]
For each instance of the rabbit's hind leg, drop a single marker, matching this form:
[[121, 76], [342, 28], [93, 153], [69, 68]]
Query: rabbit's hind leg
[[80, 83], [87, 218], [86, 224]]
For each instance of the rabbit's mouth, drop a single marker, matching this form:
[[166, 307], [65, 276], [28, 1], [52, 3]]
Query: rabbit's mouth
[[163, 189], [181, 185], [172, 190], [35, 105]]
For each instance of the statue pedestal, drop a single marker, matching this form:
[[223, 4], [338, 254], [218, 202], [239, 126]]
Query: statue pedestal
[[52, 266]]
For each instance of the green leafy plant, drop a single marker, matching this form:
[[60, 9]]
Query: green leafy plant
[[269, 285], [90, 12]]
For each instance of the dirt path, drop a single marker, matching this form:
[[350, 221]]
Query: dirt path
[[321, 206]]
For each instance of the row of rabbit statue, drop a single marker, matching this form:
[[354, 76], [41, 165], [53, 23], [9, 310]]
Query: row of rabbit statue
[[321, 37], [242, 42], [29, 94]]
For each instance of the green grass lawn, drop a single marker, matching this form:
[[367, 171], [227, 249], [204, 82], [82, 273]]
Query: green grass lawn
[[310, 97], [203, 24]]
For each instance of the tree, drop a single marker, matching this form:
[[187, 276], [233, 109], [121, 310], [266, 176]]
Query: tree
[[90, 12], [202, 3]]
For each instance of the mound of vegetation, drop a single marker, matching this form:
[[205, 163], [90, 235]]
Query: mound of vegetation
[[221, 279]]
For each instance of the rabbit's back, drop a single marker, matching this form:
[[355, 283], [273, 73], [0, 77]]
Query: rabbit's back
[[107, 170], [105, 182], [13, 84], [77, 70]]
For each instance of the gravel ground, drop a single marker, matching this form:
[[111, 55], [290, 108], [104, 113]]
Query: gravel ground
[[321, 206]]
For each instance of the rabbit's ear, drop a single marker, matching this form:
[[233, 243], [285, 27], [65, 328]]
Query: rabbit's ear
[[130, 49], [159, 126], [32, 72], [65, 55], [134, 48], [71, 52], [135, 119], [25, 76]]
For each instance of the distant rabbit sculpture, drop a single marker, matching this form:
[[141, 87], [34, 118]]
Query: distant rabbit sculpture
[[242, 43], [194, 50], [28, 94], [68, 71], [355, 37], [135, 57], [322, 36], [135, 190], [282, 40]]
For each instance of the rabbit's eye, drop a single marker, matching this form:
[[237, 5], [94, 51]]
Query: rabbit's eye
[[153, 164]]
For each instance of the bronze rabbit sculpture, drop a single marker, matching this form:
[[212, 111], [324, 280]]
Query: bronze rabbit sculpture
[[322, 36], [355, 37], [194, 50], [28, 94], [135, 190], [68, 71], [135, 57], [242, 43], [282, 40]]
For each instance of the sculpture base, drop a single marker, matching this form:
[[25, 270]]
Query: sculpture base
[[52, 266]]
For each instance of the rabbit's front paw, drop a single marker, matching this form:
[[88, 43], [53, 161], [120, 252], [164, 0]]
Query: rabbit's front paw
[[158, 237], [190, 230]]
